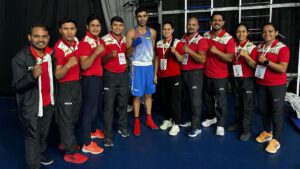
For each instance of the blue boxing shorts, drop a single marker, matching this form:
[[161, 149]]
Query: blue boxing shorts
[[142, 80]]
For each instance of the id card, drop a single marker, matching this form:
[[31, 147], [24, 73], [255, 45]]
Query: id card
[[122, 59], [185, 59], [163, 64], [260, 71], [237, 71]]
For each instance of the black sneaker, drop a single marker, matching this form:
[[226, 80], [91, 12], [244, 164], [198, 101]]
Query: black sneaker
[[124, 132], [245, 136], [108, 142], [46, 160], [234, 127]]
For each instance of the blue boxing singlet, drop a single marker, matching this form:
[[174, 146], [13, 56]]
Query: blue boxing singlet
[[143, 53]]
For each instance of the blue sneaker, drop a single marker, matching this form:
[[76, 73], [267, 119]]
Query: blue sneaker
[[194, 132]]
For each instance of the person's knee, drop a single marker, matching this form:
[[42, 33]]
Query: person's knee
[[148, 96], [136, 99]]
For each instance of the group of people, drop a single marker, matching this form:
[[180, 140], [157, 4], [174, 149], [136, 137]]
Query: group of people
[[91, 75]]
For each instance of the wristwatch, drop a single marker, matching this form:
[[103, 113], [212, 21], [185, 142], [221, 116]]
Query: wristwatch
[[266, 63]]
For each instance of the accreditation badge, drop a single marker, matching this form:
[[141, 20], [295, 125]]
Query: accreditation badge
[[122, 59], [185, 59], [260, 71], [163, 64], [237, 71]]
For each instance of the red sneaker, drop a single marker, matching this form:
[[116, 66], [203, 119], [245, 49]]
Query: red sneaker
[[75, 158], [61, 147], [92, 148], [97, 134], [137, 127], [150, 123]]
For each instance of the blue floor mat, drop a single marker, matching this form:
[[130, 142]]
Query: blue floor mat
[[296, 121], [158, 150]]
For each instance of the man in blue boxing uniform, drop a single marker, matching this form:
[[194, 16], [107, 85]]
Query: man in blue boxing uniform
[[140, 42]]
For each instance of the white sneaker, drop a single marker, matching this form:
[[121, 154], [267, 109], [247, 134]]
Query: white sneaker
[[174, 130], [209, 122], [166, 124], [220, 131], [186, 124]]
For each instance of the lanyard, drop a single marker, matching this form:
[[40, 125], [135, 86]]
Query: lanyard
[[40, 60], [165, 49], [266, 51], [190, 41], [72, 48], [245, 47], [115, 41]]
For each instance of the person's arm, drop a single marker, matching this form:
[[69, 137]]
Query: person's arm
[[24, 78], [129, 39], [226, 57], [87, 61], [277, 67], [62, 70], [249, 58], [109, 56], [282, 65], [153, 34], [199, 56], [178, 52]]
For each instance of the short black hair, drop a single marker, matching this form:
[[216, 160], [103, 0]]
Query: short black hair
[[242, 24], [117, 19], [168, 22], [272, 24], [140, 9], [66, 20], [91, 18], [217, 13], [38, 25]]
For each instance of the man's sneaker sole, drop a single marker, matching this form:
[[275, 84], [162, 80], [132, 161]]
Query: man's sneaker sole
[[123, 135], [93, 137], [266, 140], [108, 145], [92, 152], [196, 133], [47, 163]]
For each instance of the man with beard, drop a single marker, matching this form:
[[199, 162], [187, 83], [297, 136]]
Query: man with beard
[[220, 53], [34, 86], [140, 44], [69, 89], [195, 48]]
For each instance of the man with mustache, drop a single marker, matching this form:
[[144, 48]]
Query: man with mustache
[[220, 53], [33, 82], [140, 46], [195, 48]]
